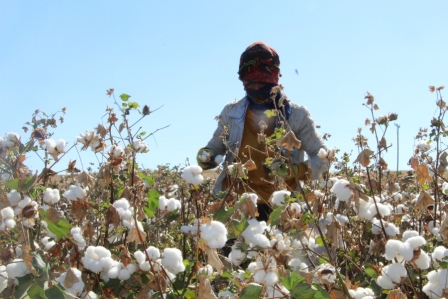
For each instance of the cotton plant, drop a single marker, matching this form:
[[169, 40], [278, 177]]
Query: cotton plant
[[238, 254], [391, 276], [75, 288], [3, 278], [172, 260], [47, 242], [390, 228], [54, 148], [436, 285], [278, 197], [89, 139], [324, 274], [144, 264], [207, 270], [78, 238], [423, 146], [17, 268], [140, 146], [341, 190], [7, 221], [51, 196], [169, 204], [326, 154], [264, 270], [213, 233], [408, 250], [76, 192], [193, 175], [362, 293], [254, 234], [11, 140]]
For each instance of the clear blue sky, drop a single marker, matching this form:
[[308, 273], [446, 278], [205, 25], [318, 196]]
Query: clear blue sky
[[184, 55]]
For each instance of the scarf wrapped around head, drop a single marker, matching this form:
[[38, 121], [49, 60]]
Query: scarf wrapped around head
[[259, 63]]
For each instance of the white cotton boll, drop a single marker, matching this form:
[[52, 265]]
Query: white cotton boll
[[10, 223], [77, 287], [124, 274], [51, 196], [17, 268], [397, 197], [122, 203], [89, 295], [90, 253], [106, 262], [172, 204], [342, 219], [432, 291], [391, 229], [114, 271], [219, 159], [382, 208], [7, 212], [3, 278], [236, 256], [423, 145], [415, 242], [439, 253], [385, 282], [172, 260], [252, 196], [102, 252], [406, 251], [341, 190], [162, 202], [252, 267], [271, 279], [14, 197], [322, 153], [392, 249], [24, 202], [153, 252], [207, 271], [127, 215], [139, 256], [278, 197], [80, 192], [50, 146], [395, 272], [259, 276], [297, 208], [445, 188], [47, 243], [60, 146], [193, 175], [423, 261], [408, 234]]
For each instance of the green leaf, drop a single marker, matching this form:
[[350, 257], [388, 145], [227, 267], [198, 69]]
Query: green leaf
[[252, 291], [224, 214], [271, 113], [38, 262], [124, 97], [236, 228], [25, 283], [36, 291], [133, 105], [319, 241], [13, 184], [149, 179], [292, 280], [152, 203], [274, 218], [370, 271], [61, 228], [321, 293], [307, 217], [27, 183], [303, 291], [56, 292]]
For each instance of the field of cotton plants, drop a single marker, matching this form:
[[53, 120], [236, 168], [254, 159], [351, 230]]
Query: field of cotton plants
[[121, 231]]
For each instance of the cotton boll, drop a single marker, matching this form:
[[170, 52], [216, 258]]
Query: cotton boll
[[423, 145], [153, 252], [236, 256], [14, 197], [3, 278], [173, 205], [397, 197], [392, 249], [416, 241], [77, 287], [102, 252], [219, 159], [192, 175], [172, 260], [51, 196], [278, 197], [385, 282], [423, 261], [252, 196], [207, 271], [341, 190], [7, 212], [162, 202], [259, 276], [17, 268], [47, 243], [439, 253], [271, 279], [383, 209]]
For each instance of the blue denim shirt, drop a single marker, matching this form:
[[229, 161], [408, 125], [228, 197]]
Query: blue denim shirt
[[300, 122]]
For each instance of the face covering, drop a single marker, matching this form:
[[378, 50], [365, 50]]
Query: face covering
[[261, 96]]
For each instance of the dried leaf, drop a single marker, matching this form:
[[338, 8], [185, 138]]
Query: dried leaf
[[444, 229], [250, 165], [101, 130], [70, 279], [26, 256], [421, 171], [334, 232], [7, 255], [364, 157], [367, 122], [383, 143], [121, 127], [110, 91], [289, 141], [369, 98], [80, 209], [396, 294], [205, 289], [125, 257], [372, 128], [424, 199], [134, 236], [247, 207], [375, 107], [443, 163], [85, 179], [213, 259], [71, 167], [112, 217]]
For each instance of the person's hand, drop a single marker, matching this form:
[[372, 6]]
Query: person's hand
[[205, 158], [302, 170]]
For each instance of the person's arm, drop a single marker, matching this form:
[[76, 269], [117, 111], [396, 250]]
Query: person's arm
[[311, 143], [206, 155]]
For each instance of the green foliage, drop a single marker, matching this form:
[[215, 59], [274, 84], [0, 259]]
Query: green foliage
[[152, 203], [61, 227], [252, 290]]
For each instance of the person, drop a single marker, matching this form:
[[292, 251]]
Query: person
[[244, 125]]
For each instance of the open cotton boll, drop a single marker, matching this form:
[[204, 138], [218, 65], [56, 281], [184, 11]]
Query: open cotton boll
[[172, 260], [278, 197], [140, 146], [397, 197], [423, 146], [392, 249], [383, 209], [219, 159], [14, 197], [17, 268], [439, 253], [361, 293], [77, 287], [416, 241], [207, 270], [423, 261], [408, 234], [3, 278], [47, 243], [173, 205], [341, 190], [252, 196], [193, 175], [278, 291], [75, 192], [253, 234], [214, 233], [51, 196], [236, 256]]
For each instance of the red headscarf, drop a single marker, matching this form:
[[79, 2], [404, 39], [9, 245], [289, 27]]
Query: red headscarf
[[259, 63]]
